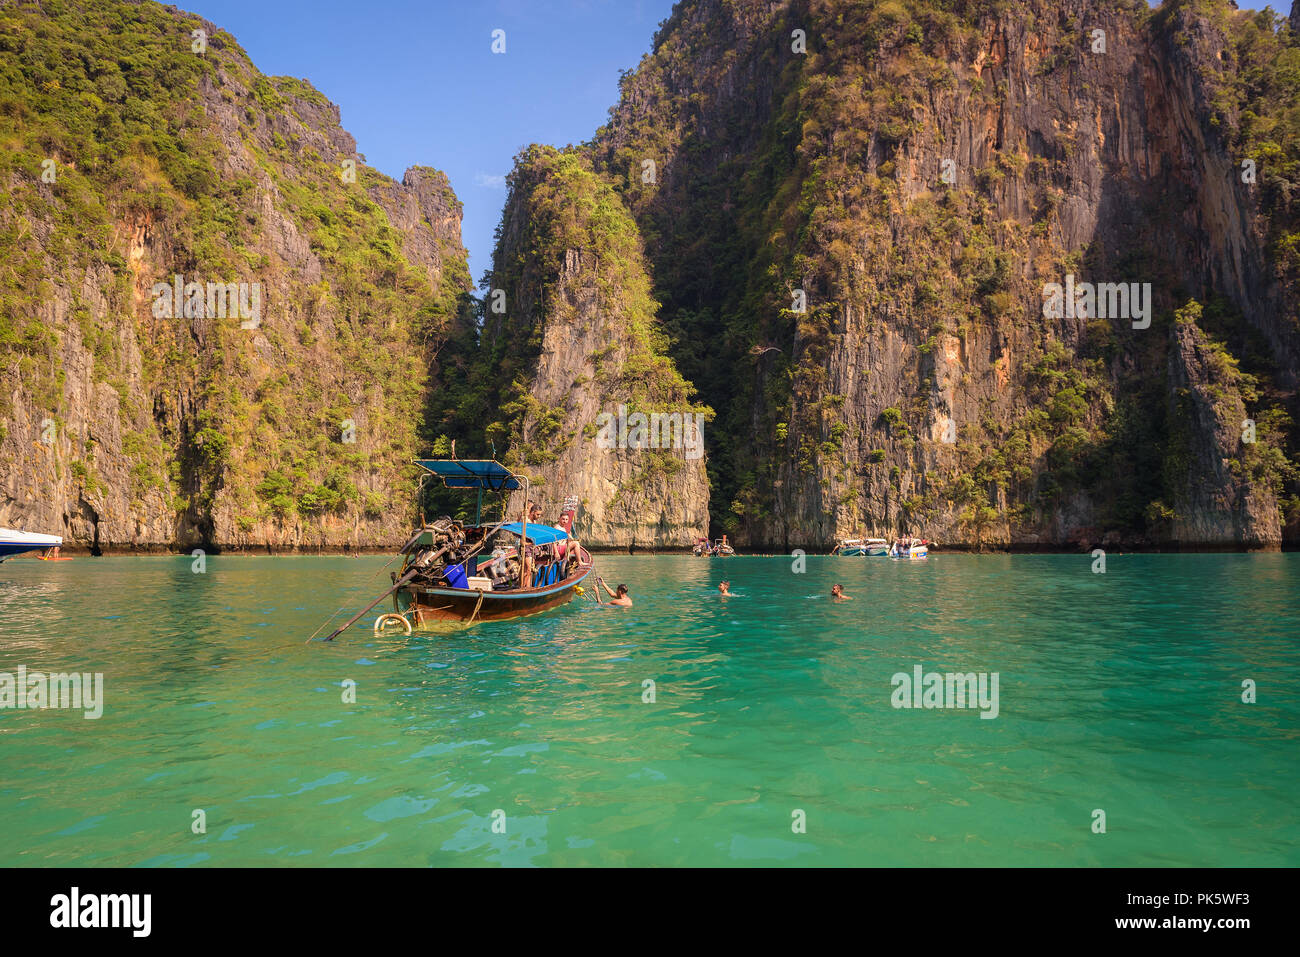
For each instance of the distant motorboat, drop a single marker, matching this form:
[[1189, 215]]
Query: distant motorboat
[[13, 542], [862, 547], [703, 548], [850, 547], [910, 548]]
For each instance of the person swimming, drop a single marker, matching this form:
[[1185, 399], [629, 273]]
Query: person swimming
[[837, 592], [724, 590], [621, 598]]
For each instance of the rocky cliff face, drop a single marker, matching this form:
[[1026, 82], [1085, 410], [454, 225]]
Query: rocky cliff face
[[594, 408], [128, 421], [858, 211], [1014, 273], [1218, 496], [425, 210]]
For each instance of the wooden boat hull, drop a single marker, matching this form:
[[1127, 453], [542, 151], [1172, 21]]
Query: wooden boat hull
[[430, 608]]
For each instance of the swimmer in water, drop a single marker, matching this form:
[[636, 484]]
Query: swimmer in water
[[621, 598], [724, 590], [837, 592]]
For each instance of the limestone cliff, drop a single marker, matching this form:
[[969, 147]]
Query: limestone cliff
[[1221, 493], [144, 145], [855, 215], [577, 346], [856, 230]]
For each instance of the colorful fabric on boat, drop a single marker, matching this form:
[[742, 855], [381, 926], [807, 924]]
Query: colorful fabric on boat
[[538, 534], [463, 473], [456, 577]]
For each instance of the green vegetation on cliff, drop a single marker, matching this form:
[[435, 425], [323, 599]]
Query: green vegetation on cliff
[[161, 160], [831, 221], [569, 260], [784, 173]]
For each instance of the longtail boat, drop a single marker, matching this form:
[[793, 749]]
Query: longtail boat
[[456, 574], [718, 548]]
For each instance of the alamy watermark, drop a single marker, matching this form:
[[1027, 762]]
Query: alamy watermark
[[952, 690], [1106, 300], [657, 430], [129, 911], [37, 690], [214, 300]]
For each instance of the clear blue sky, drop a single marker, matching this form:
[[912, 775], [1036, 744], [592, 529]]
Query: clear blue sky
[[418, 84]]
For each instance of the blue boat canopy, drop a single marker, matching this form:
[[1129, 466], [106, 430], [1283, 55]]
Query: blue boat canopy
[[537, 534], [460, 473]]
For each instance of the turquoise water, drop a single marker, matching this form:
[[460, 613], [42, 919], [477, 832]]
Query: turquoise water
[[1119, 692]]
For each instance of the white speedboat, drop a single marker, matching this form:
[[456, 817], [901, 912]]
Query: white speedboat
[[910, 548], [16, 543], [871, 547]]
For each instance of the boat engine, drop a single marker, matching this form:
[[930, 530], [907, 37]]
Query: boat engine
[[447, 543]]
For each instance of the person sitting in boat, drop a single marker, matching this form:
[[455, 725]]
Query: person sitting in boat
[[837, 592], [534, 514], [622, 598]]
